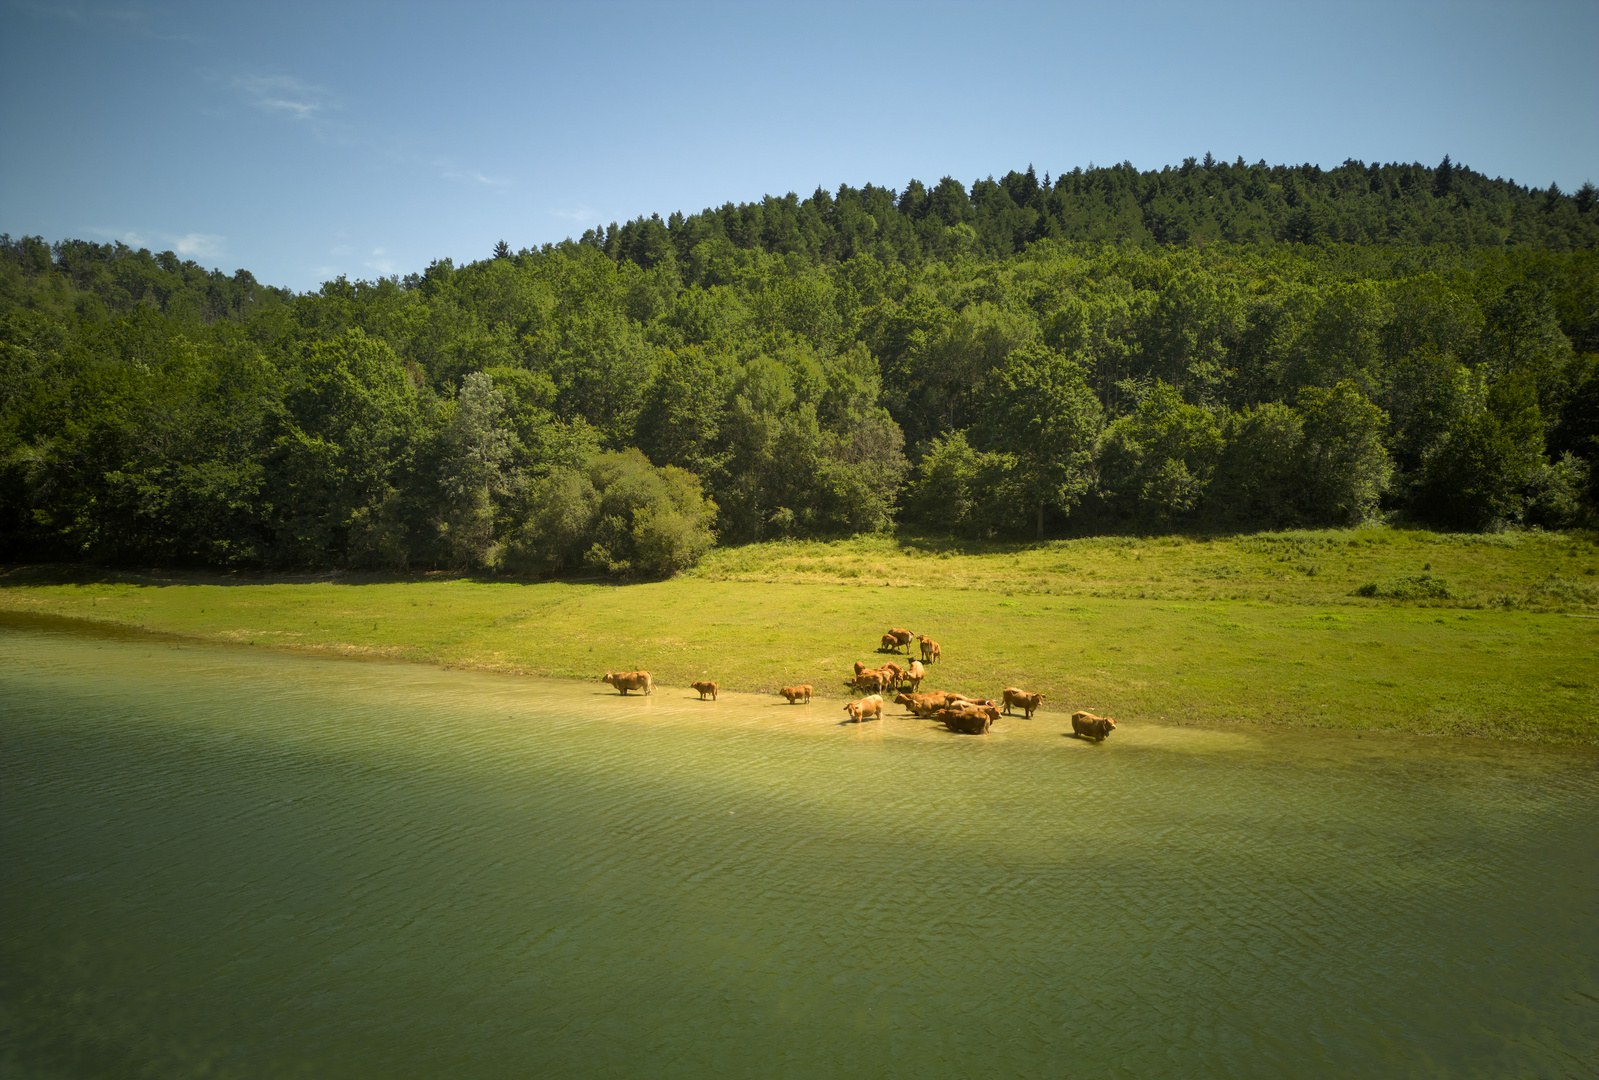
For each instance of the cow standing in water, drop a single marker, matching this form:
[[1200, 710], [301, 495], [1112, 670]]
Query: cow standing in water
[[1088, 726], [1020, 699], [866, 706], [630, 680]]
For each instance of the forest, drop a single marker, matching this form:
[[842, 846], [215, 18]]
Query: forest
[[1211, 348]]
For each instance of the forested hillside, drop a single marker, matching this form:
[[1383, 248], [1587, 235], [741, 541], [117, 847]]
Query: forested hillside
[[1199, 203], [1215, 347]]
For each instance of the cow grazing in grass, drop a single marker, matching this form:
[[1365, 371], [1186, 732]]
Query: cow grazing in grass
[[894, 672], [903, 637], [1021, 699], [1089, 726], [705, 688], [630, 680], [890, 643], [796, 693], [866, 706], [930, 649]]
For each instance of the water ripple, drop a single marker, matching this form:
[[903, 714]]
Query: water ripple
[[226, 863]]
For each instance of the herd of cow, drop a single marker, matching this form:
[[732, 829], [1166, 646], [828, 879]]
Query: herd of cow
[[957, 712]]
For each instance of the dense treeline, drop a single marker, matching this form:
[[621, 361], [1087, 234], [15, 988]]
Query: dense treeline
[[1197, 203], [825, 367]]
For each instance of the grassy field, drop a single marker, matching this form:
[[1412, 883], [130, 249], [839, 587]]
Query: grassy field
[[1373, 629]]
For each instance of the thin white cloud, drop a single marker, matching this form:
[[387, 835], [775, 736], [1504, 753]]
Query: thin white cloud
[[204, 245], [284, 95], [132, 237], [579, 214], [193, 245], [301, 110], [475, 177], [378, 263]]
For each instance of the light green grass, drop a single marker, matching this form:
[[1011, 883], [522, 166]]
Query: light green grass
[[1526, 570], [1186, 631]]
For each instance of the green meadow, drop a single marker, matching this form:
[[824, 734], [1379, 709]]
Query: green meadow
[[1376, 629]]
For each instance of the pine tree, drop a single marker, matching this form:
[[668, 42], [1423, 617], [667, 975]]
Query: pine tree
[[1443, 178], [502, 250]]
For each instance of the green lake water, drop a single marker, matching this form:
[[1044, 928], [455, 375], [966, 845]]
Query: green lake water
[[227, 862]]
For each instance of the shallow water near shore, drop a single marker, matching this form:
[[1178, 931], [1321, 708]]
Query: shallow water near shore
[[231, 862]]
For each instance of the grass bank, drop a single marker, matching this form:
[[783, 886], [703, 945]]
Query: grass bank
[[1370, 629]]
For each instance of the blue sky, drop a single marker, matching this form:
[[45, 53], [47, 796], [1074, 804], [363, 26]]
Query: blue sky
[[303, 141]]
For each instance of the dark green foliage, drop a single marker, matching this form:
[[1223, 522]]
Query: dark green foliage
[[1213, 346], [345, 438], [1159, 459], [965, 491], [1257, 479], [1344, 467], [1194, 204], [619, 515], [1042, 415], [1478, 475]]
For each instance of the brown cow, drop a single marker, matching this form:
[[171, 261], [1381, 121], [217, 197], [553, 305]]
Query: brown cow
[[920, 704], [630, 680], [930, 649], [873, 681], [894, 672], [1089, 726], [866, 706], [889, 643], [965, 721], [705, 688], [859, 667], [1022, 700], [904, 637], [796, 693], [915, 674]]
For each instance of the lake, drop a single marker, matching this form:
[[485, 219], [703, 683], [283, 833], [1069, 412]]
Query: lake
[[224, 861]]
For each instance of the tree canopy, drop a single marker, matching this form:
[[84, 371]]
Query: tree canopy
[[1213, 346]]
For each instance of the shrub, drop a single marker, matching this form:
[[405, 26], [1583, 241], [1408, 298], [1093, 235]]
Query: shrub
[[1560, 588], [1418, 587], [619, 514]]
